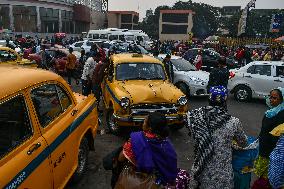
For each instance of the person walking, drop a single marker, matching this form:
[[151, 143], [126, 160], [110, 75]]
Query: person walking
[[271, 119], [97, 77], [87, 75], [198, 60], [71, 66], [169, 67], [219, 76], [213, 130]]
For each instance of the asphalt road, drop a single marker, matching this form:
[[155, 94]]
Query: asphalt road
[[250, 115]]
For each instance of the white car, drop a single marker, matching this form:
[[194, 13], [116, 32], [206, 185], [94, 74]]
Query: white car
[[3, 43], [256, 79], [190, 81], [86, 45]]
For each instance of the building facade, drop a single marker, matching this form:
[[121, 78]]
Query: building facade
[[123, 19], [175, 24], [51, 16]]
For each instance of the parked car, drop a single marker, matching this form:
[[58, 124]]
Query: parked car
[[10, 56], [46, 129], [86, 45], [137, 84], [256, 79], [190, 81], [209, 59]]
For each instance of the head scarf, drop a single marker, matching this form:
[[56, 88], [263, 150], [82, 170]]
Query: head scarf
[[218, 94], [202, 123], [274, 111]]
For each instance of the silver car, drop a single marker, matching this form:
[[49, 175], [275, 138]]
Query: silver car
[[256, 79], [190, 81]]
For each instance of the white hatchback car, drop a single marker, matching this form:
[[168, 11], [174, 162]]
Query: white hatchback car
[[190, 81], [86, 45], [256, 79]]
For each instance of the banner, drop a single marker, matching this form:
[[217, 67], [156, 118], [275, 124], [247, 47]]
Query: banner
[[243, 20], [276, 23]]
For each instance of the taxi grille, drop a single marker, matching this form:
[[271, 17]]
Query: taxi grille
[[145, 109]]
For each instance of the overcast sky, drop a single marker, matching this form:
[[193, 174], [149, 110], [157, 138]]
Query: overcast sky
[[142, 5]]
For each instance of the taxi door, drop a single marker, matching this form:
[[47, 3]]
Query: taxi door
[[24, 154], [56, 111]]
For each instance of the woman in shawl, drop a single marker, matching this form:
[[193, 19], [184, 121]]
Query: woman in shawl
[[214, 130], [150, 151], [276, 160], [267, 142]]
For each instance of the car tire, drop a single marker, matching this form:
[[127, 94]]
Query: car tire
[[111, 123], [82, 161], [177, 127], [184, 88], [242, 93]]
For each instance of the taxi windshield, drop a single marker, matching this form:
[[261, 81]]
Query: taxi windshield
[[140, 71]]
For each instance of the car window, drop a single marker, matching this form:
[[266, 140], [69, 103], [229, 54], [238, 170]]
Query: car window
[[183, 65], [263, 70], [251, 69], [15, 125], [89, 43], [78, 44], [121, 38], [96, 36], [113, 37], [280, 71], [7, 56], [47, 104], [103, 36], [64, 98]]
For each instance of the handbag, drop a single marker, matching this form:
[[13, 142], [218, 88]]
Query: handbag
[[130, 179]]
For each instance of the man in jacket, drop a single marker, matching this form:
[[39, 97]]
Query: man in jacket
[[169, 67], [219, 76], [71, 65]]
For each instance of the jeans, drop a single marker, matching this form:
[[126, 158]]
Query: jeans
[[97, 92], [70, 73], [86, 88]]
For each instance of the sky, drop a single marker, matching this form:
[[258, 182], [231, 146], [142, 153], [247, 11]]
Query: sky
[[142, 5]]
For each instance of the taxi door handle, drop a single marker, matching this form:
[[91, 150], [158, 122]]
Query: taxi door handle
[[33, 148], [74, 112]]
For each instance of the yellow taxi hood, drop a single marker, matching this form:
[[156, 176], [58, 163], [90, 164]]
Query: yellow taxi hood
[[148, 91]]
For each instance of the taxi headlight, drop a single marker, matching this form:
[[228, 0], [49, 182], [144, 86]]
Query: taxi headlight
[[182, 100], [124, 102]]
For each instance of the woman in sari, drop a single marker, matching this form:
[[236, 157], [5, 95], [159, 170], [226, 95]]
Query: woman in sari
[[150, 151], [214, 130]]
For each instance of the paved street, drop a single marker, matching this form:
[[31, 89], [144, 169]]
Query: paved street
[[249, 113]]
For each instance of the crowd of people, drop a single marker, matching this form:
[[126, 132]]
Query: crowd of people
[[149, 160]]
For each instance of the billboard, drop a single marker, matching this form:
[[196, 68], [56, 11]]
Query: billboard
[[276, 22]]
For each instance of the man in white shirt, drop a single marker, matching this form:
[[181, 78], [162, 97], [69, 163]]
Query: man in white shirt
[[87, 74]]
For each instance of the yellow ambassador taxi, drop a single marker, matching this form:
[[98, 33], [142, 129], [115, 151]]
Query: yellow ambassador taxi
[[46, 130], [137, 84], [11, 57]]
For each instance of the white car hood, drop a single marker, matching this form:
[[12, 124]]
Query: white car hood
[[197, 74]]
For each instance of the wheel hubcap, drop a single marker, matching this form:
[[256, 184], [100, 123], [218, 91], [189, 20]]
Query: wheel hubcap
[[242, 94]]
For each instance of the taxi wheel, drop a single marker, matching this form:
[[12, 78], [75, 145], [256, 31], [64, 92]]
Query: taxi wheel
[[111, 123], [82, 160]]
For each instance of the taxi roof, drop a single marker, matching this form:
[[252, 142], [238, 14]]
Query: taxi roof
[[16, 78], [131, 58]]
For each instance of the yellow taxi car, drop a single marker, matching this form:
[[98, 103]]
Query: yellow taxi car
[[11, 57], [137, 84], [46, 130]]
